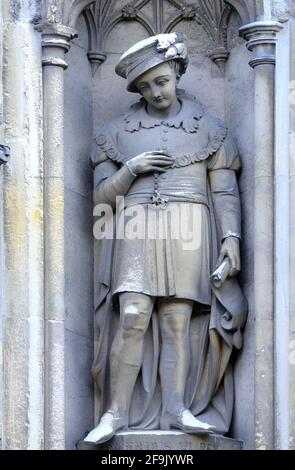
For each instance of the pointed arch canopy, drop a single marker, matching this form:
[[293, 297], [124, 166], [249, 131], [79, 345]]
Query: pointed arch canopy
[[248, 10], [73, 9]]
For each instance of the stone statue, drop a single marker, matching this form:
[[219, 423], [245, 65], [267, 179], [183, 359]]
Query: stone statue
[[4, 154], [166, 328]]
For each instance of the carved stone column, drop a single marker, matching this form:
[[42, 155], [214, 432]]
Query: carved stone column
[[55, 43], [284, 232], [22, 299], [261, 37], [291, 267]]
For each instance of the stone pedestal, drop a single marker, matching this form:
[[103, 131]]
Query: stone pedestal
[[164, 440]]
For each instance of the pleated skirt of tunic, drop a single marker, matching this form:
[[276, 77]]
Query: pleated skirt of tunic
[[164, 252]]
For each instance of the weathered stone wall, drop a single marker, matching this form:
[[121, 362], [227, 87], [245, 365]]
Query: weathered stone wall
[[1, 220], [239, 108], [79, 328], [23, 300]]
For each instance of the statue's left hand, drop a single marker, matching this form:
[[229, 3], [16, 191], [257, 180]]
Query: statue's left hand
[[231, 248]]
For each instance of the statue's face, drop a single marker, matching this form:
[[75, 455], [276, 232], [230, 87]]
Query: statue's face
[[158, 86]]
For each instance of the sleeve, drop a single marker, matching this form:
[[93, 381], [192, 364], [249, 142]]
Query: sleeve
[[111, 177], [222, 168]]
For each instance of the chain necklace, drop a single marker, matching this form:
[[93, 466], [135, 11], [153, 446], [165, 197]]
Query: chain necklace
[[158, 202]]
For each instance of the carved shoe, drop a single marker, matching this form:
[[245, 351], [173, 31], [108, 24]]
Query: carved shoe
[[186, 422], [106, 429]]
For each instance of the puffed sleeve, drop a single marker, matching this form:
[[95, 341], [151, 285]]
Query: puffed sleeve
[[111, 177], [222, 168]]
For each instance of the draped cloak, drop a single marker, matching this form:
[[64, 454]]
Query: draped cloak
[[213, 335]]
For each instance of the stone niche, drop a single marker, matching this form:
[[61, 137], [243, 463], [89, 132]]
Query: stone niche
[[220, 77], [78, 131]]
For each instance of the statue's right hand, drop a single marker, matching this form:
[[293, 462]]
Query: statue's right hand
[[149, 162]]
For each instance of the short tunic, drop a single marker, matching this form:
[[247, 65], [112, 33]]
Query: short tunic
[[171, 266], [167, 262]]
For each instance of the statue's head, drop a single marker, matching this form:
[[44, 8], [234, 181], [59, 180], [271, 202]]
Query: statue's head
[[157, 54], [158, 85]]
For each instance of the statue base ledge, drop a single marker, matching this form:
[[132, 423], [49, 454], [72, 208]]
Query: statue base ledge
[[164, 440]]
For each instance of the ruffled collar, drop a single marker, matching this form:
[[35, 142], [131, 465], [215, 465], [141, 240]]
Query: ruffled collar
[[188, 117]]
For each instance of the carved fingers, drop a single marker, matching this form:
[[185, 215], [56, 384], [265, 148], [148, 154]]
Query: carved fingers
[[150, 161], [231, 248]]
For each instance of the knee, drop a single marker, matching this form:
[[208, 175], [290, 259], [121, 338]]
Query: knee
[[175, 326], [135, 318]]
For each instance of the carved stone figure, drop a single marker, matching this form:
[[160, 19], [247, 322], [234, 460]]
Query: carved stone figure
[[166, 328], [4, 154]]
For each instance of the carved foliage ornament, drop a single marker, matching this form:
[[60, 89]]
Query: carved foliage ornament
[[129, 12]]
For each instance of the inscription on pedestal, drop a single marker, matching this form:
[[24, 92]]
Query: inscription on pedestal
[[164, 440]]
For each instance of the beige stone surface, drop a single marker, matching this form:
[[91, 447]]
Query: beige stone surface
[[23, 238]]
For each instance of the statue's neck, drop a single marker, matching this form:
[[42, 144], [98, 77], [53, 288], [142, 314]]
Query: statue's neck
[[167, 113]]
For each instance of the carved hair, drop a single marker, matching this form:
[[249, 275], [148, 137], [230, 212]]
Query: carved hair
[[178, 68]]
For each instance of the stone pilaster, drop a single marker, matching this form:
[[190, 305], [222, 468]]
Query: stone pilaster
[[22, 286], [55, 43], [261, 37], [284, 307], [291, 138]]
